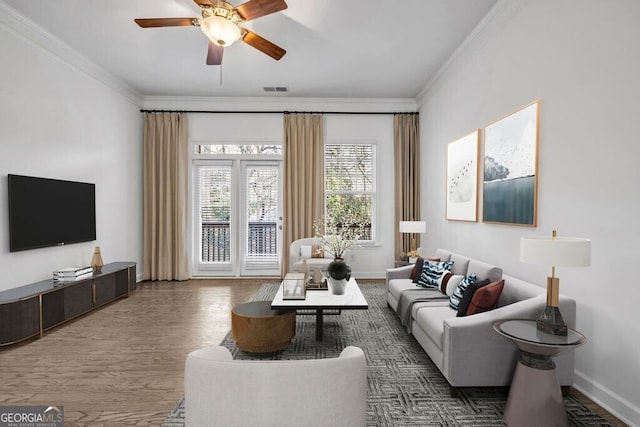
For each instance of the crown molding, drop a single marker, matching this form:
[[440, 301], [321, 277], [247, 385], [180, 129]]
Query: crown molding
[[204, 103], [20, 25], [493, 22]]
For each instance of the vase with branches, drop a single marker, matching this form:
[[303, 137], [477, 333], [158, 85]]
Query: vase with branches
[[338, 235]]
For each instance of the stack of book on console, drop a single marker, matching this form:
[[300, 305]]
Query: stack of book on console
[[72, 273]]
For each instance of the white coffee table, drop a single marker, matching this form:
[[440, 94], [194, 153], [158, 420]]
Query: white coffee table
[[318, 300]]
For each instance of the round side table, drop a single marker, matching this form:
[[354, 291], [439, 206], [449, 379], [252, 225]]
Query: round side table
[[535, 397], [256, 328]]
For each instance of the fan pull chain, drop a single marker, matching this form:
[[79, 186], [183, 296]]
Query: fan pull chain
[[220, 74]]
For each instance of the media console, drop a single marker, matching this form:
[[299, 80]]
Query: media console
[[27, 311]]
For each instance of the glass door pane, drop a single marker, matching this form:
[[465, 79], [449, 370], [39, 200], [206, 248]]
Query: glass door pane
[[214, 218], [263, 218]]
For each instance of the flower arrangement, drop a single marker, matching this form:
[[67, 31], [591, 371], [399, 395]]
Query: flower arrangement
[[413, 254], [337, 237]]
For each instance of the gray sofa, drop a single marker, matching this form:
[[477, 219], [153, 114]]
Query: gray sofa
[[467, 350]]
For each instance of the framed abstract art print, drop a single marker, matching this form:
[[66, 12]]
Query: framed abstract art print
[[462, 178], [511, 168]]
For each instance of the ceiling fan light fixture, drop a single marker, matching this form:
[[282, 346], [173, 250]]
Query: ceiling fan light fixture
[[220, 31]]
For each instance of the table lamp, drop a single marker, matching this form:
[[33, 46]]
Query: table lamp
[[413, 228], [556, 252]]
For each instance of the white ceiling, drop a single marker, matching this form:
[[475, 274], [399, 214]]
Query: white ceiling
[[342, 49]]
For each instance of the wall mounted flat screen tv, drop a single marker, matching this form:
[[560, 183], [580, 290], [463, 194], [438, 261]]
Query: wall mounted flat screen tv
[[49, 212]]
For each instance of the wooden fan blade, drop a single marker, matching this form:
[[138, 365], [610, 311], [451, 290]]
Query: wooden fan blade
[[262, 44], [256, 8], [202, 2], [165, 22], [214, 56]]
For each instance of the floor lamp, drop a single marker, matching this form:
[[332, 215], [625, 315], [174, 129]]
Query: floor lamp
[[413, 228], [554, 251]]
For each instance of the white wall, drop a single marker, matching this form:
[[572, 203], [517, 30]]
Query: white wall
[[57, 122], [582, 61], [366, 262]]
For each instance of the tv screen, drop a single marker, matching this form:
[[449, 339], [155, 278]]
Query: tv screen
[[49, 212]]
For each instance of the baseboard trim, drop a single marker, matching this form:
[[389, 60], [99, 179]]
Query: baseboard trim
[[615, 404]]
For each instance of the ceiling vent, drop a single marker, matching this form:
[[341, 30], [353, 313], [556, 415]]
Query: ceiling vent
[[275, 89]]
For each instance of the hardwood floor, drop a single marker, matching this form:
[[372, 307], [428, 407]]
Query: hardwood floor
[[123, 364]]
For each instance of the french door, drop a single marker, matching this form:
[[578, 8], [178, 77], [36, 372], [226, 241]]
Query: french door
[[237, 218]]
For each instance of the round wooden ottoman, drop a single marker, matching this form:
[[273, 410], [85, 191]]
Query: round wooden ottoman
[[256, 328]]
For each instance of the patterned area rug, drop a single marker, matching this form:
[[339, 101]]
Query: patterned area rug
[[405, 387]]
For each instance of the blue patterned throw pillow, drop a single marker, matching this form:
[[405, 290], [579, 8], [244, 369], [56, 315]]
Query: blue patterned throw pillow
[[458, 293], [431, 272]]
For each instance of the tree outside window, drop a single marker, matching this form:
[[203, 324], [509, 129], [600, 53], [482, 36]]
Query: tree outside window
[[350, 186]]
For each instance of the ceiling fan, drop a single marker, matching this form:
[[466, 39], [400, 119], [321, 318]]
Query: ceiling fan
[[219, 23]]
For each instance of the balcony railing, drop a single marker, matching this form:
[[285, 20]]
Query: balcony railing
[[262, 241], [216, 240]]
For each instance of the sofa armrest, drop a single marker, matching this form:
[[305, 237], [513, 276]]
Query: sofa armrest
[[403, 272], [474, 353]]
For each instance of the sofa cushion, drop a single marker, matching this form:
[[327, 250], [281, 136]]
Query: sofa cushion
[[396, 286], [317, 251], [443, 255], [486, 298], [453, 283], [312, 251], [417, 270], [443, 281], [458, 293], [468, 295], [431, 320], [305, 251], [312, 264], [431, 303], [431, 272], [460, 264], [482, 270]]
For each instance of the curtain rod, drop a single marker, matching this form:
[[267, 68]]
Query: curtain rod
[[275, 112]]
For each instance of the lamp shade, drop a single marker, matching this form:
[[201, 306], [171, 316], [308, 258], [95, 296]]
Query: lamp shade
[[413, 227], [556, 251], [220, 30]]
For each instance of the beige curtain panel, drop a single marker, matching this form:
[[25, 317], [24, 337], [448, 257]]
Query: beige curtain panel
[[165, 197], [406, 138], [303, 195]]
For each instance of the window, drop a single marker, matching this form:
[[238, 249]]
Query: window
[[223, 149], [350, 185]]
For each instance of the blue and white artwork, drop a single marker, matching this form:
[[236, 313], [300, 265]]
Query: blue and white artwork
[[510, 168]]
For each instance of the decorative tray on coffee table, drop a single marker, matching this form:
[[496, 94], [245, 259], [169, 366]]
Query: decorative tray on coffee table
[[322, 286]]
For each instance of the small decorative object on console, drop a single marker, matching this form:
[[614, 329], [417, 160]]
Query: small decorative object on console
[[96, 261]]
